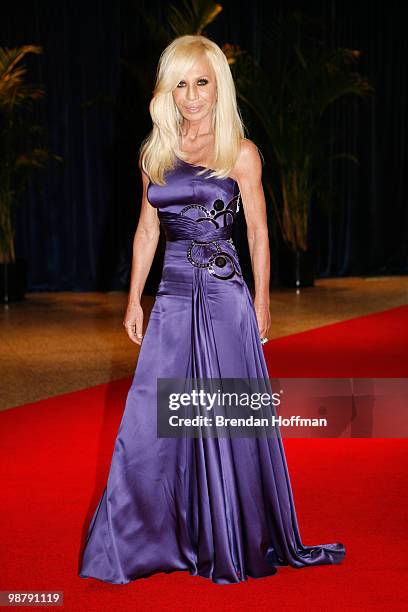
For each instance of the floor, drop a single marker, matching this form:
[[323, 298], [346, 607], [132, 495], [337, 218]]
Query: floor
[[52, 343]]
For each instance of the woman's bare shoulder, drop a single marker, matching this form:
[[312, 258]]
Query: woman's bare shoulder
[[249, 159]]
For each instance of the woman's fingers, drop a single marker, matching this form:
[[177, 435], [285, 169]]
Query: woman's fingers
[[264, 321], [263, 325], [133, 323]]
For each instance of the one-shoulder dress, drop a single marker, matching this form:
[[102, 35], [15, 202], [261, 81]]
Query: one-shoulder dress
[[221, 507]]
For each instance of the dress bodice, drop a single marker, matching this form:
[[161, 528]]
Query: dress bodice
[[212, 197], [197, 214]]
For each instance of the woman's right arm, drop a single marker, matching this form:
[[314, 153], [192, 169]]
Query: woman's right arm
[[144, 247]]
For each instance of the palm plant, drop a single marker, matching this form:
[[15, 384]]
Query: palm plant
[[288, 101], [21, 148]]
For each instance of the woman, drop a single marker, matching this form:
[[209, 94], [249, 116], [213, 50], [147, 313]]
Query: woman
[[219, 507]]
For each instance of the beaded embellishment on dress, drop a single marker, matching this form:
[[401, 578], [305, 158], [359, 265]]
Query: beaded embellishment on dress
[[219, 262]]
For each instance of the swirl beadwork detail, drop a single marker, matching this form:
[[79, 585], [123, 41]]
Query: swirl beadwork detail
[[209, 254]]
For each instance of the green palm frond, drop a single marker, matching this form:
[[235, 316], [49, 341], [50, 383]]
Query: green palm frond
[[13, 89], [193, 16]]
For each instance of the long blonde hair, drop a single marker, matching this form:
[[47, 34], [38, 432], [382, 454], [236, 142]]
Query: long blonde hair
[[160, 148]]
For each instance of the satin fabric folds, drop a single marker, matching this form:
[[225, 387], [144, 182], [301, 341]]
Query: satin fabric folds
[[221, 508]]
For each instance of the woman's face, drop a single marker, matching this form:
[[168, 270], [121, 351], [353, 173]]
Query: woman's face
[[196, 93]]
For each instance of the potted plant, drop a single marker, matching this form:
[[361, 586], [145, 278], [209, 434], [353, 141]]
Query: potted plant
[[21, 152], [288, 101]]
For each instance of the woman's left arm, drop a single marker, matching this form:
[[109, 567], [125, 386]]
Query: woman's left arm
[[248, 173]]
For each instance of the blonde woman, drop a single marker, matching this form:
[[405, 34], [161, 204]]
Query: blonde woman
[[220, 507]]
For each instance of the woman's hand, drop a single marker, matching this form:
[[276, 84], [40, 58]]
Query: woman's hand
[[263, 317], [133, 322]]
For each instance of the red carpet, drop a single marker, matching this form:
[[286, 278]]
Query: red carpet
[[56, 455], [374, 346]]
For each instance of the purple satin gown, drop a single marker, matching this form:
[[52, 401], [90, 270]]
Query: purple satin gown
[[221, 508]]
